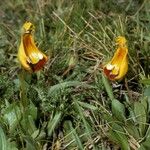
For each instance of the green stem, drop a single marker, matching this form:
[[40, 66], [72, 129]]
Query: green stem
[[23, 90]]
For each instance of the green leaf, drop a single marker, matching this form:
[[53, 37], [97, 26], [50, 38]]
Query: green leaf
[[147, 135], [31, 124], [12, 145], [142, 147], [144, 102], [12, 116], [117, 135], [147, 91], [53, 122], [108, 88], [32, 110], [88, 106], [132, 129], [39, 134], [3, 141], [118, 110], [76, 137], [145, 145], [61, 86], [31, 144], [140, 114], [86, 124], [88, 129], [146, 81]]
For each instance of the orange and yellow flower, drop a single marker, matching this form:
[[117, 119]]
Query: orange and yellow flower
[[117, 68], [30, 57]]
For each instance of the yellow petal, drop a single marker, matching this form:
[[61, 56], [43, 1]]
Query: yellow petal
[[115, 70], [30, 48], [121, 41], [23, 58], [118, 66], [28, 27], [30, 57], [123, 69]]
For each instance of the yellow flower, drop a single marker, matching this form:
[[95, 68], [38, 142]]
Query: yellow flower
[[117, 68], [30, 57]]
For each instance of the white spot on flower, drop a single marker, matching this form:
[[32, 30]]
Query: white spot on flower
[[40, 56], [110, 66]]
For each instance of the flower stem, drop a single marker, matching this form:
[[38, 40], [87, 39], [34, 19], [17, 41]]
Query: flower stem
[[23, 89]]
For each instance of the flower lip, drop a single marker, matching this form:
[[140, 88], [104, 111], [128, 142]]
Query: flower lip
[[39, 65], [109, 66], [27, 32]]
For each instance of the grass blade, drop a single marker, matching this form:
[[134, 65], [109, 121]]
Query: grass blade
[[3, 142], [53, 123], [76, 137], [107, 87]]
